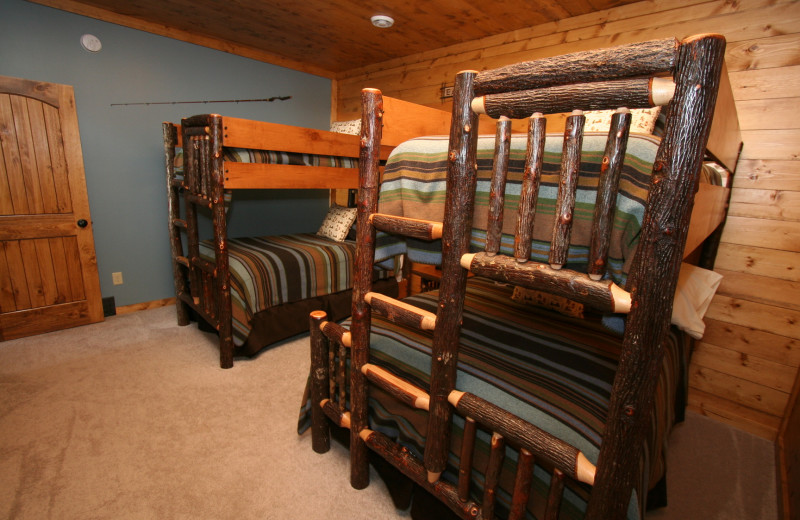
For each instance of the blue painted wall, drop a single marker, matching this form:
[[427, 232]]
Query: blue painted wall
[[122, 146]]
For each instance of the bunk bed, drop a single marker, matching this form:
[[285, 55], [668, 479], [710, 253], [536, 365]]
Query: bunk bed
[[255, 291], [544, 374]]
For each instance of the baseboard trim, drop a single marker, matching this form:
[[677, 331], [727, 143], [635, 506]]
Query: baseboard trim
[[155, 304]]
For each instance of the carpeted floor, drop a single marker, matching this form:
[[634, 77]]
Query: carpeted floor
[[132, 419]]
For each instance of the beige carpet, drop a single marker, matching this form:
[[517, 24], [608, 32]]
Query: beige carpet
[[133, 419]]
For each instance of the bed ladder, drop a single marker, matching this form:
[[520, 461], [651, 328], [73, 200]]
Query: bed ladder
[[201, 286], [586, 80]]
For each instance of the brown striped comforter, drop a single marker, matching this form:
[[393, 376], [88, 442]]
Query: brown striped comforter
[[270, 271]]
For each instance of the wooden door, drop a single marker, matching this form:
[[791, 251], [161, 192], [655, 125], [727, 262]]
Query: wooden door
[[48, 268]]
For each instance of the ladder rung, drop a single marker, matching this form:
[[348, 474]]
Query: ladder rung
[[598, 294], [179, 223], [335, 413], [401, 312], [336, 332], [396, 386], [410, 227], [204, 265], [198, 199]]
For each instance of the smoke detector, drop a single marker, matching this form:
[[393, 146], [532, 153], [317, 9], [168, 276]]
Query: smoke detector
[[382, 21]]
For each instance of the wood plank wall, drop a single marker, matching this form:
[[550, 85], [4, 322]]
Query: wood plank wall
[[744, 368]]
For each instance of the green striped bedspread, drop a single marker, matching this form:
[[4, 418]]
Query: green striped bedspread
[[414, 186], [551, 370]]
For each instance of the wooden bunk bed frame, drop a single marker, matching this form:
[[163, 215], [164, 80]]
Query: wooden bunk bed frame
[[697, 66], [204, 287]]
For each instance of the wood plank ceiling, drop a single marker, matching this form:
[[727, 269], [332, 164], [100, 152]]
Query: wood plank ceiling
[[327, 37]]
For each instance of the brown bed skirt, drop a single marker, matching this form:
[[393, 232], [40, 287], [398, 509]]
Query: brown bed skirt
[[284, 321]]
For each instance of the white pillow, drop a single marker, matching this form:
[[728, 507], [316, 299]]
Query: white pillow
[[696, 288], [337, 222]]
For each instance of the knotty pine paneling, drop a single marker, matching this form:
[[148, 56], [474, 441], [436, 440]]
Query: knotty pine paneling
[[749, 357]]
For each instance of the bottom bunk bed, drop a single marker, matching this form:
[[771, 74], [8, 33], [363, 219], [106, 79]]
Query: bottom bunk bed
[[553, 369], [277, 280]]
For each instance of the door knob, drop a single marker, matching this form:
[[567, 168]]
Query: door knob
[[82, 223]]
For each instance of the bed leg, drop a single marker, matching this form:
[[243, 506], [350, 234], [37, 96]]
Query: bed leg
[[183, 312], [225, 350], [320, 428]]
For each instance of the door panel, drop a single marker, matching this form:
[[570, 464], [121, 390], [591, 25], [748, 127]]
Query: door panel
[[48, 268]]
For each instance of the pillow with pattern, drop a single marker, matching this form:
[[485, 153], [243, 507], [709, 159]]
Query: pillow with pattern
[[643, 120], [347, 127], [337, 222]]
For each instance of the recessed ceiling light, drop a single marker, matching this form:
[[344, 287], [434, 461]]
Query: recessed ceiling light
[[382, 21]]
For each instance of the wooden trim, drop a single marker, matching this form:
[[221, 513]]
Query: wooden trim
[[145, 306], [288, 176]]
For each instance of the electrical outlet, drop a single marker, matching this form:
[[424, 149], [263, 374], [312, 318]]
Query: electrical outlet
[[116, 278]]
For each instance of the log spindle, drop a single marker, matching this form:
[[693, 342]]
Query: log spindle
[[608, 184], [467, 451], [567, 188], [497, 190], [341, 377], [331, 370], [529, 191], [554, 495], [320, 431], [492, 478], [522, 485]]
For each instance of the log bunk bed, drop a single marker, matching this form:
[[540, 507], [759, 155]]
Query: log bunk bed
[[258, 290], [488, 403]]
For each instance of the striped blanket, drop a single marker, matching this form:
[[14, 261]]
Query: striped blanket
[[551, 370], [272, 157], [414, 186], [270, 271]]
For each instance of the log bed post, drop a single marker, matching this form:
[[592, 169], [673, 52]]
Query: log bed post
[[461, 171], [173, 211], [223, 275], [675, 177], [320, 376], [371, 118]]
